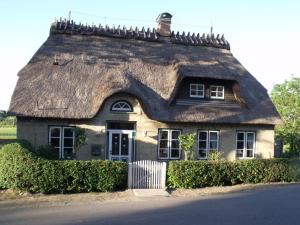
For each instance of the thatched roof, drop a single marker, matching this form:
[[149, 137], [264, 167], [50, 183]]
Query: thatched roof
[[74, 72]]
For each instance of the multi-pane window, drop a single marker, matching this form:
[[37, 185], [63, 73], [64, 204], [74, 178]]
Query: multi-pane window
[[217, 92], [245, 144], [168, 144], [197, 90], [121, 106], [208, 141], [62, 139]]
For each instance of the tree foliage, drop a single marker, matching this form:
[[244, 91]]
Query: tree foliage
[[187, 142], [286, 98]]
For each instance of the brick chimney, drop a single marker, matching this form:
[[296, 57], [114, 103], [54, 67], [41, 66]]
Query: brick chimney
[[164, 24]]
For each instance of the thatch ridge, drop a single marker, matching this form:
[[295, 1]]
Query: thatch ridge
[[70, 27], [71, 76]]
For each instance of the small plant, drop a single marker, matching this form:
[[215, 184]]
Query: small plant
[[80, 137], [187, 142], [215, 156]]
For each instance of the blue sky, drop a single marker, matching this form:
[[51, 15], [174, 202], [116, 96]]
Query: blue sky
[[264, 35]]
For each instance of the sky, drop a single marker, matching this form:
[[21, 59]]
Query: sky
[[264, 35]]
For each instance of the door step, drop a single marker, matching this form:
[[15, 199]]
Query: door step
[[150, 193]]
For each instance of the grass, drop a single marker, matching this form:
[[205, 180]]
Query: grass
[[8, 132]]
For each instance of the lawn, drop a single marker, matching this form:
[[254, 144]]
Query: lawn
[[8, 132]]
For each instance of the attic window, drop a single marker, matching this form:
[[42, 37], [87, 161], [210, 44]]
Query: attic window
[[217, 92], [121, 106], [197, 90]]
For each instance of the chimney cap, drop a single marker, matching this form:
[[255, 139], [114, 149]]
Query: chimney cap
[[164, 16]]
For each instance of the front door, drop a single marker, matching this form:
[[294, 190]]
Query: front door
[[120, 145]]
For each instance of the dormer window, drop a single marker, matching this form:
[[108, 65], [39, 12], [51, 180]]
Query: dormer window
[[121, 106], [217, 92], [197, 90]]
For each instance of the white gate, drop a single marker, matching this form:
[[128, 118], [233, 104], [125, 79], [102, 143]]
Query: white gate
[[147, 174]]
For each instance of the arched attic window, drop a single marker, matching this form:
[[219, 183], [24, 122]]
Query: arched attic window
[[121, 106]]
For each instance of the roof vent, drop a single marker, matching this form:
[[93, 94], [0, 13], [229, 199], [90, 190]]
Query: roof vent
[[164, 24]]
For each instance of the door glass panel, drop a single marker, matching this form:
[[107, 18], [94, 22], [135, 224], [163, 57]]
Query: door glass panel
[[115, 144], [124, 144]]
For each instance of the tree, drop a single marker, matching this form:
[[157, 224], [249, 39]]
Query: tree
[[286, 98], [187, 142]]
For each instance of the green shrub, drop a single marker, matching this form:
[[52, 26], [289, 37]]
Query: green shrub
[[22, 170], [197, 174], [48, 152]]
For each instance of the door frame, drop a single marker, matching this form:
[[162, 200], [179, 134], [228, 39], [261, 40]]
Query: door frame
[[130, 143]]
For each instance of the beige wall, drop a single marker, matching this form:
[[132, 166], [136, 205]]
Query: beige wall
[[36, 131]]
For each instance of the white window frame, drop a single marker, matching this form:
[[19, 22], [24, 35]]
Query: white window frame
[[115, 109], [208, 139], [61, 139], [216, 97], [245, 149], [169, 145], [197, 88]]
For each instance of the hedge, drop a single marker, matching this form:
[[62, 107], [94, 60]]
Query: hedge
[[197, 174], [22, 170]]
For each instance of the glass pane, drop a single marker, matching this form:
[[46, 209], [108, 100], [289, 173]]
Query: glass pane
[[250, 145], [213, 136], [249, 153], [68, 153], [200, 93], [175, 144], [124, 144], [202, 136], [213, 145], [163, 144], [240, 136], [213, 94], [55, 142], [124, 159], [174, 153], [163, 153], [220, 89], [202, 144], [202, 153], [213, 89], [68, 132], [164, 134], [175, 134], [220, 94], [55, 132], [68, 142], [115, 144], [240, 145], [239, 153], [193, 92], [250, 136], [193, 86]]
